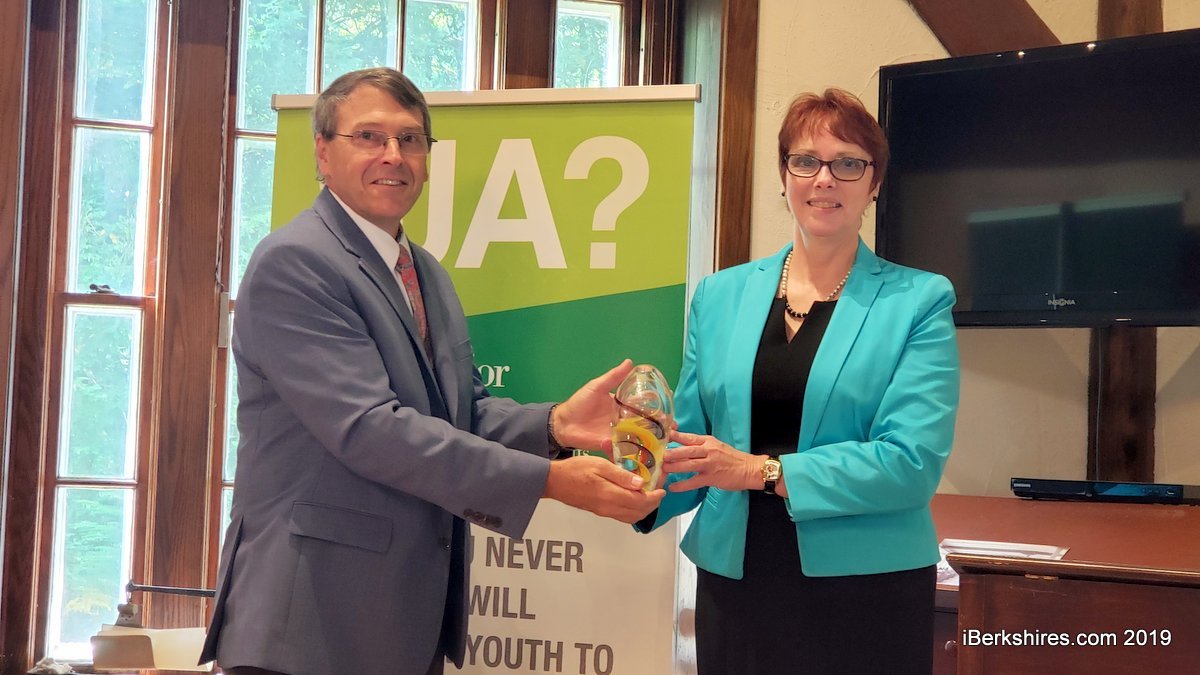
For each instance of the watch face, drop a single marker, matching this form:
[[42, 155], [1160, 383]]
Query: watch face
[[771, 470]]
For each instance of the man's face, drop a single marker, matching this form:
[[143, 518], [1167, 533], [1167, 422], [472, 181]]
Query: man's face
[[380, 184]]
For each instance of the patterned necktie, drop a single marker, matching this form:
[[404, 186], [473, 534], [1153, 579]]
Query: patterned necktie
[[408, 275]]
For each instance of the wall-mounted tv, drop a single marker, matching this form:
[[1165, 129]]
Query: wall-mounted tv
[[1054, 187]]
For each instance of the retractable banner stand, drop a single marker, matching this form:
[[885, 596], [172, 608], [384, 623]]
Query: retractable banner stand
[[562, 217]]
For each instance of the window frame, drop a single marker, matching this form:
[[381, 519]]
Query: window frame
[[66, 123]]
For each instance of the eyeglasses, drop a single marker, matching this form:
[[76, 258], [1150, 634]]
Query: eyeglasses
[[411, 142], [842, 168]]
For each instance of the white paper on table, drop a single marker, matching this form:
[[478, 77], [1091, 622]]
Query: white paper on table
[[161, 648], [1005, 549]]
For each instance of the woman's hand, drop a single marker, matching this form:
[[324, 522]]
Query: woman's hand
[[714, 463]]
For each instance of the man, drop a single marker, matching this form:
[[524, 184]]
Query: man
[[367, 439]]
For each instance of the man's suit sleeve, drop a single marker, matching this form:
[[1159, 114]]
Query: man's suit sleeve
[[515, 425], [910, 437], [297, 325]]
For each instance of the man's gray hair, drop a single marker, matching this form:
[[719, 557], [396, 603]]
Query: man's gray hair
[[389, 80]]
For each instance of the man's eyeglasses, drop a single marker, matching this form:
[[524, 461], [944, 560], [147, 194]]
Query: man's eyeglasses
[[842, 168], [411, 142]]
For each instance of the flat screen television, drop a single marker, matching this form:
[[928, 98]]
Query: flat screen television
[[1054, 187]]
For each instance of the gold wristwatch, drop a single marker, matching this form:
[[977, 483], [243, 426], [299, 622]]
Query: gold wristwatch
[[771, 471]]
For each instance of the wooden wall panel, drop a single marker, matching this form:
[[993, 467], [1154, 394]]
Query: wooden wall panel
[[193, 215], [19, 612], [720, 53], [486, 78], [14, 17], [735, 163], [660, 42], [524, 48]]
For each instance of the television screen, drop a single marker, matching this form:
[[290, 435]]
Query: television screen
[[1058, 186]]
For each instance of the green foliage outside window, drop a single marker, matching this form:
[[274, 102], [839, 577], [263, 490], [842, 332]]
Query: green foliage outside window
[[276, 57], [435, 37], [358, 34], [256, 179], [113, 58], [93, 559], [581, 51], [103, 350], [106, 226]]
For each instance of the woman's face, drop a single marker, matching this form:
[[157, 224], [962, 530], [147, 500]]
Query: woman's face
[[826, 208]]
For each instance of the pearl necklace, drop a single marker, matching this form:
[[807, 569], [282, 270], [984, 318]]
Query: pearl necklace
[[783, 279]]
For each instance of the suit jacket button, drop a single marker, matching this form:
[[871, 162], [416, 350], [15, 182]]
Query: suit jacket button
[[444, 542]]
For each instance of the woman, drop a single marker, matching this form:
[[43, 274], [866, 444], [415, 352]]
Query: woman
[[816, 411]]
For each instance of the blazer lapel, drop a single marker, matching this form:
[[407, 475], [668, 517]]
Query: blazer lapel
[[355, 242], [759, 292], [844, 327], [437, 297]]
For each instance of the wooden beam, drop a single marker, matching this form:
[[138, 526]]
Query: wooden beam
[[1123, 18], [525, 46], [1121, 401], [1122, 372], [982, 26]]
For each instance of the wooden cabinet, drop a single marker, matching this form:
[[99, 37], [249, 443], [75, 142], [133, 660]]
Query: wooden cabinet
[[1131, 577]]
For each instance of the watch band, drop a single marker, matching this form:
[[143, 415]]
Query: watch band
[[556, 448]]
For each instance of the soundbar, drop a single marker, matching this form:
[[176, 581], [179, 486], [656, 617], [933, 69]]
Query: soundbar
[[1106, 491]]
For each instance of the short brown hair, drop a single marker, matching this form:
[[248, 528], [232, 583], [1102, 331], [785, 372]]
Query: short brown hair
[[389, 80], [841, 114]]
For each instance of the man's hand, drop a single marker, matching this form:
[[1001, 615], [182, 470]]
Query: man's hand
[[597, 485], [714, 463], [583, 421]]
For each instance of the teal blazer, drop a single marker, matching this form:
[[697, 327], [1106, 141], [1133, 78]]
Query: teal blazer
[[877, 427]]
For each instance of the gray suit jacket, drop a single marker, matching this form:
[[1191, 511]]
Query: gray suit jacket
[[360, 458]]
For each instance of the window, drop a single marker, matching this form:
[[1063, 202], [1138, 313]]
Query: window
[[587, 44], [104, 304]]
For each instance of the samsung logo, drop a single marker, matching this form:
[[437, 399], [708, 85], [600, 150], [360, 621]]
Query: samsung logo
[[1059, 302]]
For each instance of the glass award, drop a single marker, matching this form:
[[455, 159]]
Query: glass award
[[643, 416]]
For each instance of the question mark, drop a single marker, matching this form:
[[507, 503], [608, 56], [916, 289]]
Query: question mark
[[635, 174]]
